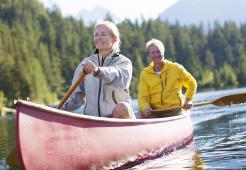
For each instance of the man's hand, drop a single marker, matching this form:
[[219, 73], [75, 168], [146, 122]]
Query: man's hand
[[147, 112], [187, 104]]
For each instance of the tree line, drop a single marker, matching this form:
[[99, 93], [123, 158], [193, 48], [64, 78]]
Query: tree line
[[40, 49]]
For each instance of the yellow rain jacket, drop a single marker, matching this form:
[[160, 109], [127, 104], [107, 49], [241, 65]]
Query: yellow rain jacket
[[164, 90]]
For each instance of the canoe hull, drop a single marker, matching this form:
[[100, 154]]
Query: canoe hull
[[51, 139]]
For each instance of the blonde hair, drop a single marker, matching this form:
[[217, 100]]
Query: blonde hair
[[113, 31], [156, 43]]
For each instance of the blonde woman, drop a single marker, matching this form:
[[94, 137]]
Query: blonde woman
[[109, 73]]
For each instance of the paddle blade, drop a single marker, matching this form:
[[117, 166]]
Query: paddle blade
[[12, 159], [230, 99]]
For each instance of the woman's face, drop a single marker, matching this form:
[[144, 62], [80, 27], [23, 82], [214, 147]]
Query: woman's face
[[155, 54], [103, 40]]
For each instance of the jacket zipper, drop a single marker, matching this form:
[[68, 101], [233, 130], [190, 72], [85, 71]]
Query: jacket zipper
[[162, 89], [166, 79], [99, 92], [163, 86], [113, 97]]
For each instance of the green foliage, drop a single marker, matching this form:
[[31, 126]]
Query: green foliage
[[40, 91], [40, 49], [226, 76], [2, 101], [207, 79], [242, 69], [209, 60]]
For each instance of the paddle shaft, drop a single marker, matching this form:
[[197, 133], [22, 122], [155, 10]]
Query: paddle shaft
[[202, 103], [222, 101], [225, 100], [70, 91], [178, 108]]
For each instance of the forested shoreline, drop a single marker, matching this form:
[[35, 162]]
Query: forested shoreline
[[39, 50]]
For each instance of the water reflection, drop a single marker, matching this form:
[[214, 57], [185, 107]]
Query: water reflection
[[198, 162], [7, 134], [222, 139], [186, 158], [7, 137]]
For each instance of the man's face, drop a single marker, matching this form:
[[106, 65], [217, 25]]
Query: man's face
[[155, 54]]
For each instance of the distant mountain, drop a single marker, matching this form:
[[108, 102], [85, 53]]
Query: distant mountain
[[189, 12], [97, 13]]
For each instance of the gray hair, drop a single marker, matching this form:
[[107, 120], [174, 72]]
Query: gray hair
[[113, 31], [156, 43]]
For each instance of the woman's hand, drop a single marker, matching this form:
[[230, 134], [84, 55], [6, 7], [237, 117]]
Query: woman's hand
[[89, 67]]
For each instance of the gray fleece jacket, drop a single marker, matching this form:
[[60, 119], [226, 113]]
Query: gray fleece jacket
[[104, 90]]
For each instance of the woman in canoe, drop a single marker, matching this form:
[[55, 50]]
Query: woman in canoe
[[160, 85], [106, 85]]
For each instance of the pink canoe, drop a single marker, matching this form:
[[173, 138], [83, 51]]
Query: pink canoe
[[48, 138]]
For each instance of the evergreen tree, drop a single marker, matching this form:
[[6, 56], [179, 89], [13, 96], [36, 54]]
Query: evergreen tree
[[40, 49]]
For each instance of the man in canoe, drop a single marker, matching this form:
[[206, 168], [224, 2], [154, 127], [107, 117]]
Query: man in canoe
[[106, 85], [160, 84]]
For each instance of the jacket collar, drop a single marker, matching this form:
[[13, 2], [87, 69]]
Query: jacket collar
[[150, 68], [111, 57]]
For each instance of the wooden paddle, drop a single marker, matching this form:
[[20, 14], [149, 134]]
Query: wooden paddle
[[222, 101], [12, 159], [70, 91]]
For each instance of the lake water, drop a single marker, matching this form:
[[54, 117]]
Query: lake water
[[219, 138]]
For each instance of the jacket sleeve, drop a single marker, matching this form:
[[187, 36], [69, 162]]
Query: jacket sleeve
[[118, 75], [77, 97], [143, 94], [188, 81]]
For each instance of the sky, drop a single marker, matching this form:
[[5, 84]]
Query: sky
[[123, 9]]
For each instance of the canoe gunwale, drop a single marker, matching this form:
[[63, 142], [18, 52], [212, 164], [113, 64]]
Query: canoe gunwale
[[94, 118]]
